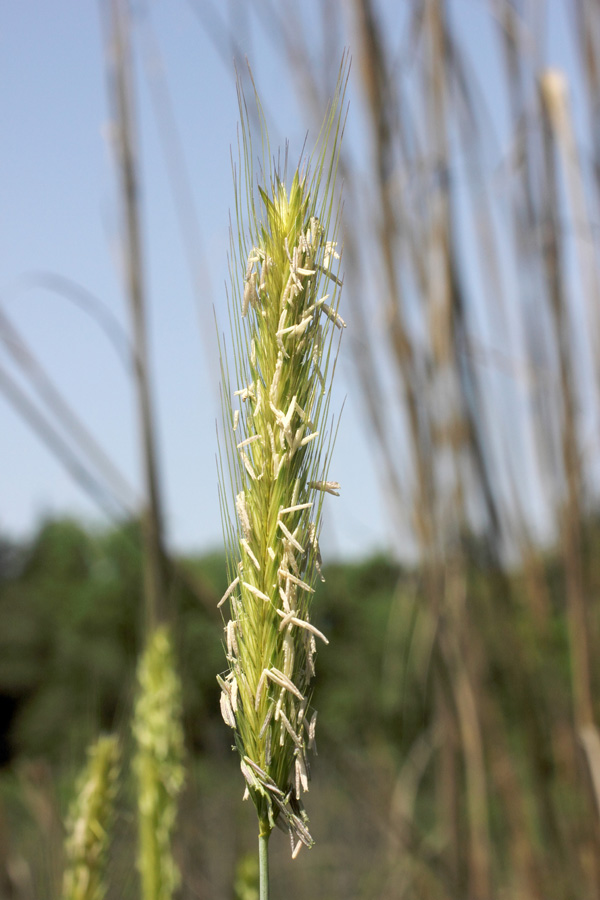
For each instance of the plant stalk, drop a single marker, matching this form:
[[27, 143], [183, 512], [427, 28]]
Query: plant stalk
[[263, 860], [121, 95]]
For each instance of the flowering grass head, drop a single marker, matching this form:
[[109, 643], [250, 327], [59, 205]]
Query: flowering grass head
[[284, 313], [89, 822], [158, 764]]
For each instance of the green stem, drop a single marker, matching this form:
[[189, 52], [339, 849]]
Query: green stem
[[263, 861]]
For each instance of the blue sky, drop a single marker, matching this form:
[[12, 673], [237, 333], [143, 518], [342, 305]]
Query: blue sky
[[60, 214]]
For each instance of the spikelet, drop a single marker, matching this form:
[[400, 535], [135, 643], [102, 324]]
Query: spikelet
[[285, 290], [88, 823], [158, 764]]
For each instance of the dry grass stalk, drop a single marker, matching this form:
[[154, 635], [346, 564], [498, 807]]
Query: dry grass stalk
[[457, 426], [121, 97]]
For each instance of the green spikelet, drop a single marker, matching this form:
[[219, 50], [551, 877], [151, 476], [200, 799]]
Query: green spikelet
[[285, 289], [88, 823], [158, 765]]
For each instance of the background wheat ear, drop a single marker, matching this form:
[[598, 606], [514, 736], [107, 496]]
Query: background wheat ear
[[89, 821], [284, 313], [158, 764]]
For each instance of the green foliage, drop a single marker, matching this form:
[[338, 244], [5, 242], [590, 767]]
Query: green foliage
[[68, 635], [373, 695], [245, 885], [70, 631], [198, 638], [374, 681]]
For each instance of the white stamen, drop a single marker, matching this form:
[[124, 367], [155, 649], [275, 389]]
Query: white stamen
[[254, 256], [246, 300], [278, 413], [245, 392], [288, 727], [277, 463], [289, 558], [283, 681], [317, 304], [290, 536], [303, 415], [293, 264], [301, 712], [265, 271], [231, 639], [279, 704], [314, 543], [333, 315], [248, 550], [284, 599], [301, 778], [302, 623], [250, 293], [288, 655], [310, 661], [311, 730], [256, 592], [250, 287], [282, 318], [301, 830], [248, 440], [229, 591], [310, 656], [276, 377], [259, 688], [329, 487], [303, 773], [279, 335], [267, 719], [226, 710], [236, 419], [295, 580], [258, 406], [294, 330], [309, 438], [261, 772], [242, 511], [248, 466], [296, 491], [286, 616], [249, 775], [296, 508], [330, 254]]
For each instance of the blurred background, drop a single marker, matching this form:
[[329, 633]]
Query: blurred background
[[459, 749]]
